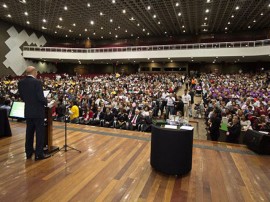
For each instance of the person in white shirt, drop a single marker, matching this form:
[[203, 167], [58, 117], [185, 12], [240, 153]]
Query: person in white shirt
[[170, 105], [186, 99]]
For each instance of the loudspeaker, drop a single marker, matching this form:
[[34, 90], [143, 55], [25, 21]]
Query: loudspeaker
[[257, 142]]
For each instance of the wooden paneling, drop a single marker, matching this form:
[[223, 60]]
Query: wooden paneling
[[114, 166]]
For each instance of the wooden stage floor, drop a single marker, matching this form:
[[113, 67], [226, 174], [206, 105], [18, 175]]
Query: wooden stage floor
[[114, 166]]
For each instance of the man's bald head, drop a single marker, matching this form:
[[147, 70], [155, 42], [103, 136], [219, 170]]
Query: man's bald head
[[30, 70]]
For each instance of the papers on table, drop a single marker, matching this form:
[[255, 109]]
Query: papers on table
[[170, 126], [186, 127]]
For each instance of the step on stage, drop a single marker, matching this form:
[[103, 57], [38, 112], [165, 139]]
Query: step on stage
[[114, 165]]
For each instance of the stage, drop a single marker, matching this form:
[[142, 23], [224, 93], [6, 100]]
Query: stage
[[114, 166]]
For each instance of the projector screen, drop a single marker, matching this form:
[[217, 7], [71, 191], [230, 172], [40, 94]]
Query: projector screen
[[17, 110]]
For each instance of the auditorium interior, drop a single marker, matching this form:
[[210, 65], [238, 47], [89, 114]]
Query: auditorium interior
[[150, 100]]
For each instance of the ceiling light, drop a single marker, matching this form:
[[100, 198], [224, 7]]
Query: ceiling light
[[70, 30], [85, 30], [59, 27], [22, 1], [88, 5], [44, 20], [101, 14], [92, 22], [249, 26], [268, 5], [179, 14], [184, 30], [159, 22], [226, 28], [205, 30], [148, 7], [110, 32], [237, 8], [43, 27], [101, 28], [154, 16], [101, 37], [131, 35], [232, 16], [132, 18], [125, 30], [229, 23], [124, 11], [119, 27], [254, 20], [61, 19], [138, 24], [113, 1], [205, 18], [94, 33], [65, 8], [165, 32], [80, 34], [55, 32], [66, 35], [177, 4], [116, 36], [25, 13], [207, 10], [261, 13], [208, 1], [4, 5], [143, 30], [111, 20], [73, 24], [153, 61], [27, 22], [148, 33]]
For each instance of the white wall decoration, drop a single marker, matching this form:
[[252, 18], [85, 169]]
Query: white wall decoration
[[14, 58]]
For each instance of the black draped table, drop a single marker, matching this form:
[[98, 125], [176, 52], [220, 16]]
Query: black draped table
[[171, 150], [4, 124]]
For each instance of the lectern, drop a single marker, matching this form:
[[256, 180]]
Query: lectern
[[48, 142]]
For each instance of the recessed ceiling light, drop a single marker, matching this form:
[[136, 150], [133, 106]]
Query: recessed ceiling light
[[59, 27], [110, 32], [88, 4], [43, 27], [205, 18], [237, 8], [232, 16], [101, 14], [70, 30], [154, 16], [132, 18], [183, 26], [226, 28], [249, 26], [159, 22], [92, 22], [66, 35], [4, 5], [124, 11], [80, 34], [165, 32], [184, 30], [125, 30], [131, 35], [61, 19], [65, 8], [143, 30], [229, 23], [94, 33], [148, 7], [138, 24], [254, 20], [116, 36], [261, 13], [27, 22], [208, 1], [113, 1], [207, 10], [179, 14], [22, 1], [85, 30], [55, 32], [101, 27], [177, 4], [44, 20], [268, 5], [73, 24], [101, 37], [111, 20], [26, 13], [148, 33]]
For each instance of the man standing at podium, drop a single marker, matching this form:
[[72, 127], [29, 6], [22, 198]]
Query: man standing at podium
[[31, 92]]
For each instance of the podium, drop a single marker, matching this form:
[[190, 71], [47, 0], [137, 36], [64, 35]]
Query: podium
[[4, 124], [48, 142]]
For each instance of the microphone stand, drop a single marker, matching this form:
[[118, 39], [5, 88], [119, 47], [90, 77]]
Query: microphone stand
[[66, 147]]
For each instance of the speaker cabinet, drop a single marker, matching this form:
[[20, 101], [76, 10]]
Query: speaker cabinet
[[257, 141]]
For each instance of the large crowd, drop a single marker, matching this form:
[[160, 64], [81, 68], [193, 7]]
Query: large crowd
[[133, 101]]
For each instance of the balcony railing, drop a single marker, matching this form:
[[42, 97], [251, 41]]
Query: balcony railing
[[238, 44]]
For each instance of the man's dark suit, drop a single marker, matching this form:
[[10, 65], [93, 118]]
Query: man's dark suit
[[31, 92]]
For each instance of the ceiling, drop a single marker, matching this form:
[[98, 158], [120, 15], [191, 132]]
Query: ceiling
[[110, 19]]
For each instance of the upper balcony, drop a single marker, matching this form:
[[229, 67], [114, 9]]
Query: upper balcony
[[180, 52]]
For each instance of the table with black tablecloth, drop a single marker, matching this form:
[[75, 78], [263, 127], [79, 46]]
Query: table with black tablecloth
[[171, 150], [4, 124]]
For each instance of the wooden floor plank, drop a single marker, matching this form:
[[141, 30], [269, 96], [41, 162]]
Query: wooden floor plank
[[114, 165]]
